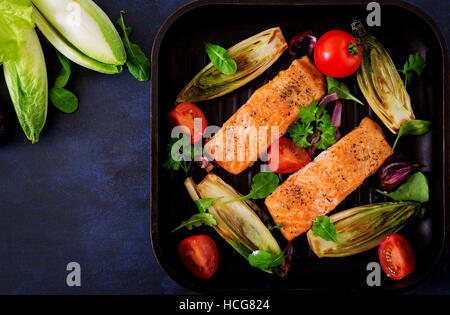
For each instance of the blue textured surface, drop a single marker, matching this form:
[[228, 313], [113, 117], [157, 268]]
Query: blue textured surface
[[82, 194]]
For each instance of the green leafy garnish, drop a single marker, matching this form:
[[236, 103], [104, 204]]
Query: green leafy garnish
[[197, 220], [341, 90], [184, 159], [64, 100], [415, 189], [201, 218], [279, 226], [65, 72], [264, 260], [263, 184], [413, 128], [137, 62], [205, 203], [415, 63], [15, 18], [323, 227], [315, 123], [61, 98], [220, 59]]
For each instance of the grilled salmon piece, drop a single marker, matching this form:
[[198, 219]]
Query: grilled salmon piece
[[266, 116], [319, 187]]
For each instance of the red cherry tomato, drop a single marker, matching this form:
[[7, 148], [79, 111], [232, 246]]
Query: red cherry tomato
[[199, 254], [183, 115], [396, 256], [336, 54], [289, 157]]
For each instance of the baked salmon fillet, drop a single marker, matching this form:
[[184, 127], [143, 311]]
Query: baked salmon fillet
[[266, 116], [319, 187]]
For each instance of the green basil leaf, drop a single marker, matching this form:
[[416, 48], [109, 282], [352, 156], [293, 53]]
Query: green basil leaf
[[413, 128], [64, 73], [64, 100], [137, 62], [205, 203], [220, 59], [264, 260], [341, 90], [415, 189], [263, 184], [323, 227], [197, 220]]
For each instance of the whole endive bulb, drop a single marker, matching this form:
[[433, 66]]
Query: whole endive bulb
[[82, 32], [26, 78]]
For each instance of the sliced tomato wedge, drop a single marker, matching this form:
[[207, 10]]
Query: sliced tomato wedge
[[199, 254], [396, 256], [184, 115], [288, 158]]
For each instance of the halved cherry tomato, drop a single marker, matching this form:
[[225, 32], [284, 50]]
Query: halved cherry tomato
[[183, 115], [396, 256], [199, 254], [337, 54], [288, 158]]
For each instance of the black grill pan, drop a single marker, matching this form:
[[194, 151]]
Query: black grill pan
[[178, 55]]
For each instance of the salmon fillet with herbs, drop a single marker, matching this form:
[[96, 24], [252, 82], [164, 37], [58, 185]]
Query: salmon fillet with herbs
[[325, 182], [266, 116]]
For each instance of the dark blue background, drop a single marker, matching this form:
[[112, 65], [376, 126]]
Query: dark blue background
[[83, 193]]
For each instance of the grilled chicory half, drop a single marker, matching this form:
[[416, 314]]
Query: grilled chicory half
[[82, 32], [253, 56], [381, 83], [24, 66], [362, 228], [237, 222]]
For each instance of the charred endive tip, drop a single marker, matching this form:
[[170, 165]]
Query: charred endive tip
[[237, 222], [362, 228], [380, 82]]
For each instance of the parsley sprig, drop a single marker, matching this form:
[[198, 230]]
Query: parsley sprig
[[314, 128], [415, 63], [181, 160]]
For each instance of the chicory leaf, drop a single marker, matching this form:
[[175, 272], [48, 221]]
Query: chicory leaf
[[220, 59], [137, 62], [341, 90], [15, 17], [413, 128], [415, 189], [264, 260], [323, 227], [26, 78]]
